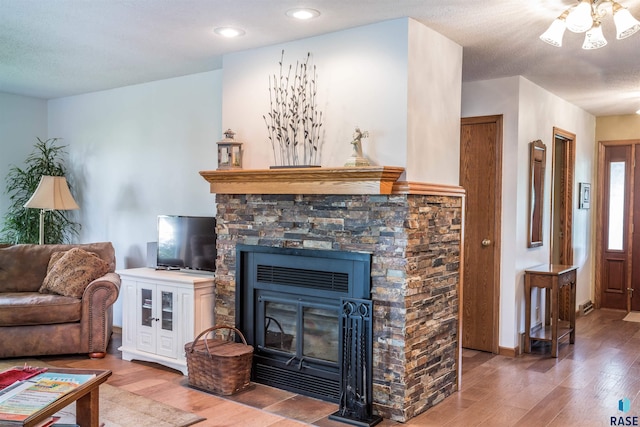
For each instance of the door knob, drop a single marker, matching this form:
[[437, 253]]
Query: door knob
[[486, 242]]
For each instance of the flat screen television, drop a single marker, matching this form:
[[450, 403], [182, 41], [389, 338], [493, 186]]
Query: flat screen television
[[186, 242]]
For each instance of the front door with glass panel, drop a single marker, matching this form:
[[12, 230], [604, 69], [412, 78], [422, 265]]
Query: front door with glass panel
[[619, 266], [635, 237]]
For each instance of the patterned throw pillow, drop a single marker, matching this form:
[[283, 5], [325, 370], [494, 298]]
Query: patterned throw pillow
[[55, 257], [73, 272]]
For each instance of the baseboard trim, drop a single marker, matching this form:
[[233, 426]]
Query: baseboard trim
[[509, 352]]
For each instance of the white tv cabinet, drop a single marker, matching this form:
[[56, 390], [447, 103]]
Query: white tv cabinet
[[162, 311]]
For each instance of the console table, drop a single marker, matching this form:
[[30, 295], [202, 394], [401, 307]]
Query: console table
[[552, 277]]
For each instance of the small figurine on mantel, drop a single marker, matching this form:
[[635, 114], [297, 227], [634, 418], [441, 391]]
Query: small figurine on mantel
[[357, 159]]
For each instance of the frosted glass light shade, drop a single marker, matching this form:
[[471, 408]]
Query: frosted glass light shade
[[554, 33], [579, 19], [52, 194], [626, 24], [594, 39]]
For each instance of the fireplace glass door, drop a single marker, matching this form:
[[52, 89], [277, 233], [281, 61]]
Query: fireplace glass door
[[321, 340], [289, 307], [300, 330], [280, 326]]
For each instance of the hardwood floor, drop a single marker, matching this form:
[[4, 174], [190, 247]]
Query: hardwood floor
[[581, 387]]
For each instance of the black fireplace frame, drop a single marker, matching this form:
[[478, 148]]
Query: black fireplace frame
[[300, 374]]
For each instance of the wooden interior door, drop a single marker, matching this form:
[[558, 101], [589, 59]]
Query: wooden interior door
[[616, 171], [481, 177]]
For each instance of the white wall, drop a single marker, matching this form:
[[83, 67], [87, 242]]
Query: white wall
[[22, 120], [494, 97], [540, 112], [434, 98], [362, 81], [135, 152], [530, 113], [389, 78]]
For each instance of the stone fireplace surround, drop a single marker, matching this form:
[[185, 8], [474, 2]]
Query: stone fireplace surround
[[413, 231]]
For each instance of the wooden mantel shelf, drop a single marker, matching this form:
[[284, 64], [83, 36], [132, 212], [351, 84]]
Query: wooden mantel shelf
[[341, 180]]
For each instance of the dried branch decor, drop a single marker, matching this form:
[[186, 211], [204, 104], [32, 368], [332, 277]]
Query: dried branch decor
[[294, 120]]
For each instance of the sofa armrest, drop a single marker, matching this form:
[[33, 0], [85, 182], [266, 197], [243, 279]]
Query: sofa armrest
[[97, 313], [109, 287]]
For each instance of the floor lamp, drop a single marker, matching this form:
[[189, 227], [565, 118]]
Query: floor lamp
[[52, 194]]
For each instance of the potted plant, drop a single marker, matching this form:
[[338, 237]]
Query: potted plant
[[21, 225]]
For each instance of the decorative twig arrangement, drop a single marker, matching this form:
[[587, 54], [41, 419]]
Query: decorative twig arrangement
[[294, 120]]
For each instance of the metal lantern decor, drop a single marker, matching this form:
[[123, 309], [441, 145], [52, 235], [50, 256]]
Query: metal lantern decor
[[229, 152]]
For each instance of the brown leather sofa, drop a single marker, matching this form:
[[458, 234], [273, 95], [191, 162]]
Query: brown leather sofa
[[34, 323]]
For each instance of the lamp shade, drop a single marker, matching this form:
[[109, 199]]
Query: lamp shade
[[626, 24], [554, 34], [594, 39], [579, 19], [52, 194]]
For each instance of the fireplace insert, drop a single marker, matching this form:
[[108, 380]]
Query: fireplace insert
[[288, 304]]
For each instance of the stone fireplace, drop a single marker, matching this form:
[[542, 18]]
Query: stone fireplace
[[413, 233]]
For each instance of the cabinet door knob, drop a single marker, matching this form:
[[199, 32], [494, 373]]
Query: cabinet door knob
[[486, 242]]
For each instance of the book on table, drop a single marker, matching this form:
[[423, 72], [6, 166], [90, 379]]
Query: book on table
[[26, 397]]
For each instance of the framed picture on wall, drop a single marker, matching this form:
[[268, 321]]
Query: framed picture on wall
[[585, 195]]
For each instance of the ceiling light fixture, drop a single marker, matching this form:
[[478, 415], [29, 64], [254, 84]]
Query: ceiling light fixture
[[229, 32], [303, 14], [585, 17]]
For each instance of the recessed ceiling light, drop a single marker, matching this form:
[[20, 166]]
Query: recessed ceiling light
[[303, 13], [229, 32]]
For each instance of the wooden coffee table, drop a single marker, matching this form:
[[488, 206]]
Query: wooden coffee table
[[86, 397]]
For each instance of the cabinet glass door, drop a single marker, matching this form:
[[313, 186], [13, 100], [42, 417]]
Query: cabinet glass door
[[167, 311], [146, 308]]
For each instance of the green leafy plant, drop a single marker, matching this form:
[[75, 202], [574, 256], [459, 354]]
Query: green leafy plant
[[293, 120], [20, 224]]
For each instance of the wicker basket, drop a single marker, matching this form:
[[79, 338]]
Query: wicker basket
[[219, 366]]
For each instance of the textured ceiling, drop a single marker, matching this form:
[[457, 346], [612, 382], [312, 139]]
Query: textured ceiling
[[50, 49]]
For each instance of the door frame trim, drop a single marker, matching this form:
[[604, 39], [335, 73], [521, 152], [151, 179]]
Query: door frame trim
[[498, 120], [569, 174]]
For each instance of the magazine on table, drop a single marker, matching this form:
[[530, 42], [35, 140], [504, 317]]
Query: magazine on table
[[24, 398]]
